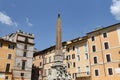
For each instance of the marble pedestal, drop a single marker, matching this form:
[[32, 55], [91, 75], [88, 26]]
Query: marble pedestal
[[58, 70]]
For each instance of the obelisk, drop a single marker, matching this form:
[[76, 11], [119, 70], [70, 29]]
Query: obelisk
[[58, 69], [58, 49], [58, 35]]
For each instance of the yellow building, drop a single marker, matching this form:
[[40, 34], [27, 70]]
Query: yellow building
[[48, 61], [77, 53], [76, 59], [95, 56], [104, 47], [37, 67], [7, 55], [44, 60]]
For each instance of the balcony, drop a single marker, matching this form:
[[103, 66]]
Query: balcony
[[83, 74]]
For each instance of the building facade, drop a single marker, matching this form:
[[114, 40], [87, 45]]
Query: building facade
[[76, 59], [77, 56], [43, 60], [104, 46], [7, 55], [24, 50], [24, 55], [95, 56], [38, 64]]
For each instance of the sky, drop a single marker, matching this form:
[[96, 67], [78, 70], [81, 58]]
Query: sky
[[39, 17]]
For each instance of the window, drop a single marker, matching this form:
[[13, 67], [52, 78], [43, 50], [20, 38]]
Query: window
[[93, 48], [106, 45], [26, 40], [49, 59], [9, 56], [22, 74], [73, 48], [95, 60], [40, 63], [7, 67], [77, 49], [68, 65], [74, 75], [96, 72], [87, 70], [85, 48], [1, 44], [68, 49], [93, 38], [25, 47], [73, 56], [24, 54], [66, 57], [86, 56], [78, 69], [6, 77], [45, 60], [108, 58], [23, 64], [78, 58], [105, 35], [69, 74], [69, 57], [110, 72], [11, 46], [119, 65], [73, 64]]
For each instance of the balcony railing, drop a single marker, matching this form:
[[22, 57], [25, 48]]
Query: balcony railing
[[83, 74]]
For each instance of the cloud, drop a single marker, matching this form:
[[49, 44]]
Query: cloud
[[5, 19], [115, 9], [28, 22]]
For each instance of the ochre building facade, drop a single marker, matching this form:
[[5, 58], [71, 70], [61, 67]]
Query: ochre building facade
[[95, 56], [7, 55]]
